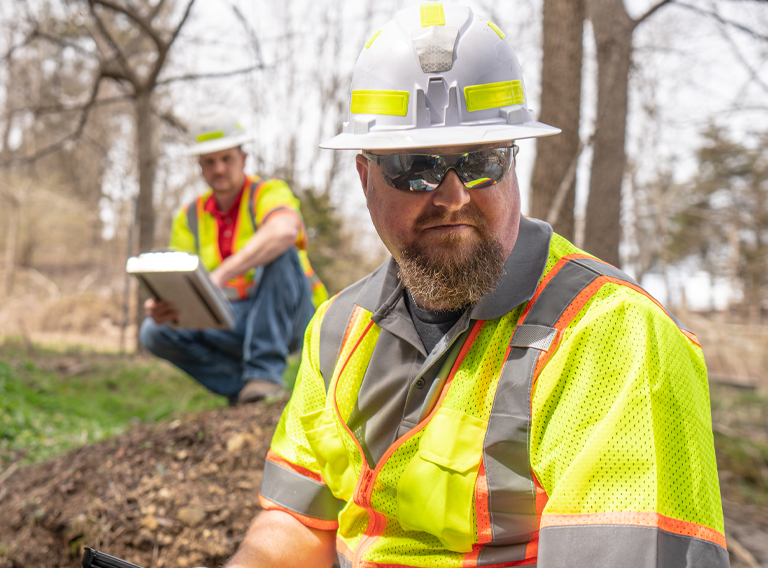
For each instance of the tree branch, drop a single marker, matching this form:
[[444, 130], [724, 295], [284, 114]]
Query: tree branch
[[130, 14], [8, 54], [254, 40], [170, 119], [126, 67], [66, 108], [162, 50], [156, 10], [722, 20], [37, 33], [196, 76], [51, 148], [650, 12]]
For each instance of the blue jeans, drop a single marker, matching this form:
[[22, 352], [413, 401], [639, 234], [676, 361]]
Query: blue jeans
[[270, 325]]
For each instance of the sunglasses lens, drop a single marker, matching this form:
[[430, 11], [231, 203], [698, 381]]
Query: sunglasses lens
[[421, 172]]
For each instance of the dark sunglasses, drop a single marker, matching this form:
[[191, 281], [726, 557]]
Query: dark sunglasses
[[424, 172]]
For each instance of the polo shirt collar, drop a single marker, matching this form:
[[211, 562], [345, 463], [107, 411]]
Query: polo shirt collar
[[522, 271]]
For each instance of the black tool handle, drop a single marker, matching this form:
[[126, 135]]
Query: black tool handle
[[95, 559]]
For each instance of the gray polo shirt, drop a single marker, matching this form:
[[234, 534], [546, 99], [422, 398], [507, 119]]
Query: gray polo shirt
[[394, 389]]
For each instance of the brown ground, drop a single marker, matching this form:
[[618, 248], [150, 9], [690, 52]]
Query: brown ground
[[170, 494]]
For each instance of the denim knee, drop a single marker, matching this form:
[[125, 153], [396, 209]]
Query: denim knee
[[150, 335]]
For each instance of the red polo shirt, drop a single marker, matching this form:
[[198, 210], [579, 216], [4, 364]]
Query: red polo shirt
[[226, 221]]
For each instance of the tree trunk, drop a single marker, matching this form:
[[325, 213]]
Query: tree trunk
[[560, 106], [146, 153], [613, 36], [10, 245]]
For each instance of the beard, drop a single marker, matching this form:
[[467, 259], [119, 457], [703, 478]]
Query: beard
[[458, 276]]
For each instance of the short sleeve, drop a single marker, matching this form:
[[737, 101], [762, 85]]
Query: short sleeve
[[622, 444], [274, 195]]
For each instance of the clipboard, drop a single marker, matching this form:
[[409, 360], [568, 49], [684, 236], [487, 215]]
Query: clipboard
[[182, 279]]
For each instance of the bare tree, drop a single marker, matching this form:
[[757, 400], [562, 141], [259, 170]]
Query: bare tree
[[560, 106], [614, 30]]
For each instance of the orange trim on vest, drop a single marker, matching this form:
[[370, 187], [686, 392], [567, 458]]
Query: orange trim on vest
[[280, 460], [268, 505], [484, 532], [638, 518], [550, 275], [342, 548], [366, 484]]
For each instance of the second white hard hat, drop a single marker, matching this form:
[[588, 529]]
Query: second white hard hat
[[437, 75], [213, 131]]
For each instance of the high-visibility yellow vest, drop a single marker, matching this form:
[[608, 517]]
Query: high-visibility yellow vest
[[195, 230], [587, 405]]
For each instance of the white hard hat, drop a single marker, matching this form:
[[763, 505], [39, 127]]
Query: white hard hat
[[213, 131], [437, 75]]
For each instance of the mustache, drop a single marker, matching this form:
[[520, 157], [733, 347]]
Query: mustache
[[461, 217]]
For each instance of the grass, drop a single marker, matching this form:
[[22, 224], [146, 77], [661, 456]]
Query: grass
[[52, 400], [740, 422]]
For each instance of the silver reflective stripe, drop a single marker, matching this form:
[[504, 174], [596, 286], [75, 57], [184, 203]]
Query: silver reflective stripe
[[332, 330], [559, 293], [605, 268], [608, 546], [299, 494], [511, 491], [536, 336], [192, 223], [253, 192], [492, 554], [342, 560]]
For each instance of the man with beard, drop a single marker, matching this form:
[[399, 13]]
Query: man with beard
[[491, 395]]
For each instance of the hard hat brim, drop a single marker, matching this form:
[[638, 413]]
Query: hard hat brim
[[210, 146], [414, 138]]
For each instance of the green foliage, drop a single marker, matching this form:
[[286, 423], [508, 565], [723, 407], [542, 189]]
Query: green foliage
[[333, 251], [725, 222], [740, 418], [46, 409]]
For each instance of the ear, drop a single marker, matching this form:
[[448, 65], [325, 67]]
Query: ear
[[363, 164]]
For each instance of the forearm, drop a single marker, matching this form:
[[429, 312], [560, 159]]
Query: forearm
[[276, 539], [270, 241]]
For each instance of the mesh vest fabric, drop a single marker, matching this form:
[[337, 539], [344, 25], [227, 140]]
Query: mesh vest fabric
[[261, 199], [620, 432]]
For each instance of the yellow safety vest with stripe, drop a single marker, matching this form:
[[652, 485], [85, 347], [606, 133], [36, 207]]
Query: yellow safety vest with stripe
[[582, 411], [195, 230]]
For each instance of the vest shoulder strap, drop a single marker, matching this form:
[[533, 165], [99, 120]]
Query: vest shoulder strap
[[558, 294], [193, 221], [253, 192], [332, 331]]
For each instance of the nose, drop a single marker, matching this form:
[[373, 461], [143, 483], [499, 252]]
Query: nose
[[451, 194]]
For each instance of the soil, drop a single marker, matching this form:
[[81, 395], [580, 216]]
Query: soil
[[178, 493], [182, 493]]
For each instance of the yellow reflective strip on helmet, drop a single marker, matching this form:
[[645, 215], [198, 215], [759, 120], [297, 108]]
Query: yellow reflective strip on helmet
[[371, 40], [492, 95], [209, 136], [432, 14], [393, 103], [496, 28]]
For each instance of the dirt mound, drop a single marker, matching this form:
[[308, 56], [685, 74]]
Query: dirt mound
[[181, 494], [177, 493]]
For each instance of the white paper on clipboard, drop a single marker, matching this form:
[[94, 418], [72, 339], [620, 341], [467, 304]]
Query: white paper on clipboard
[[181, 279]]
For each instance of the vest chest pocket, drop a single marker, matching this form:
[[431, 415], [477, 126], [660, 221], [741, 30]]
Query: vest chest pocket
[[332, 456], [436, 490]]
